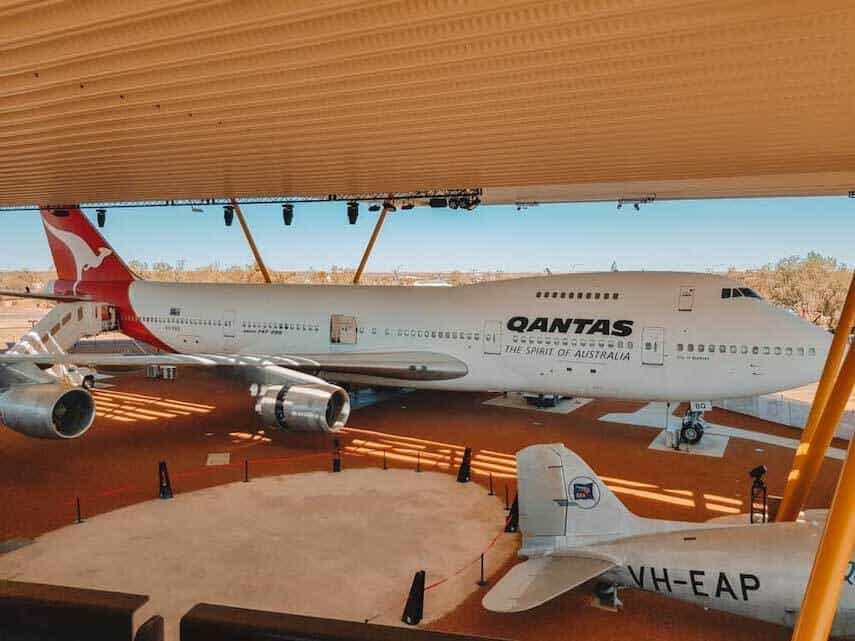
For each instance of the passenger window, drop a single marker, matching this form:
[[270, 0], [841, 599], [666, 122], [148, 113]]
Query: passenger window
[[629, 344], [573, 342], [587, 295], [722, 349], [620, 344], [700, 347], [601, 344], [744, 349], [755, 350], [679, 347], [453, 334], [725, 292], [733, 349], [614, 296], [801, 351], [777, 351], [690, 347], [606, 296], [766, 350], [563, 294], [583, 342], [648, 346], [570, 295], [515, 339], [811, 351], [789, 351], [712, 349], [537, 295], [554, 294], [564, 342], [477, 336], [597, 296]]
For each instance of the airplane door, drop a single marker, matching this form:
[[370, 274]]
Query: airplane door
[[229, 330], [652, 347], [493, 337], [686, 300]]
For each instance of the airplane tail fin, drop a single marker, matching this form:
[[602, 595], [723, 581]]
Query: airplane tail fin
[[563, 503], [80, 253]]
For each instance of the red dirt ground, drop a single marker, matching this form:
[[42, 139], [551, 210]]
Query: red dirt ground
[[115, 464]]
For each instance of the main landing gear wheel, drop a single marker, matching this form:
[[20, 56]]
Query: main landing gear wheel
[[88, 382]]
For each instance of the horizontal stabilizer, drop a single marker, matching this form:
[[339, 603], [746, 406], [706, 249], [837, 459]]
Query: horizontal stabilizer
[[59, 298], [538, 580]]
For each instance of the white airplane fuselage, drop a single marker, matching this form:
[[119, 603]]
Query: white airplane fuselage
[[632, 335]]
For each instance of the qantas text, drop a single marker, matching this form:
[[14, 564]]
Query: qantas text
[[601, 326]]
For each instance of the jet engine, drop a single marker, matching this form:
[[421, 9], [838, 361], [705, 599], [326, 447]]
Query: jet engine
[[47, 410], [308, 407]]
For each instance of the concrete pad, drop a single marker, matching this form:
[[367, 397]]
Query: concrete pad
[[653, 415], [340, 545], [218, 458], [710, 445], [517, 401]]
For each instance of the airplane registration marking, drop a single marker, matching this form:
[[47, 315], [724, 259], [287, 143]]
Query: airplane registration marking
[[724, 585]]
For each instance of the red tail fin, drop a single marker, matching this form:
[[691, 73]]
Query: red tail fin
[[80, 253]]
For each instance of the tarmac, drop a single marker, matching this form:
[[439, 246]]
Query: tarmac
[[141, 422]]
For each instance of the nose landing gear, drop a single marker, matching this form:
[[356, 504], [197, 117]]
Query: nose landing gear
[[693, 427]]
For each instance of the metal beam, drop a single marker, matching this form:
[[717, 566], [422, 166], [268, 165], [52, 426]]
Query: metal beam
[[258, 261], [387, 207], [818, 433], [838, 539]]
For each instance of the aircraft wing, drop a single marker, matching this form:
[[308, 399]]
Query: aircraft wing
[[541, 579], [59, 298], [415, 366]]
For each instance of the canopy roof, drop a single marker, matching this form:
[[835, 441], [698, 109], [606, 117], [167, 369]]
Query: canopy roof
[[531, 101]]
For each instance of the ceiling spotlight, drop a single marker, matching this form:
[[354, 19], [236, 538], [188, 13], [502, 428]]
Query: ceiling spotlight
[[438, 202], [452, 203], [407, 206], [389, 206], [102, 216], [287, 213], [637, 206], [352, 212], [228, 215], [374, 207]]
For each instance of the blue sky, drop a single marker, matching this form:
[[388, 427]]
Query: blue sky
[[681, 235]]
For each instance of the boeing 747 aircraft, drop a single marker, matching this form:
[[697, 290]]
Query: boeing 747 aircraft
[[632, 335]]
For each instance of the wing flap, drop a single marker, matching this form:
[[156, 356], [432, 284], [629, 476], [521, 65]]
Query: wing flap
[[395, 365], [541, 579]]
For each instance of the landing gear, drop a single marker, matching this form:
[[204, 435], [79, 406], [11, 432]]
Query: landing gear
[[607, 595], [692, 429], [88, 382]]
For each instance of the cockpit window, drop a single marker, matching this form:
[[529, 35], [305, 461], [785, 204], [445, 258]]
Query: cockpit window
[[739, 292]]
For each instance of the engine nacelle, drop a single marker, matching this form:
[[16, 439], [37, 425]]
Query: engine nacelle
[[308, 407], [47, 410]]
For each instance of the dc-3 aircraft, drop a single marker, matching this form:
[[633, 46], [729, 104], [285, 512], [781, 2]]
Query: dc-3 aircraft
[[652, 336], [575, 529]]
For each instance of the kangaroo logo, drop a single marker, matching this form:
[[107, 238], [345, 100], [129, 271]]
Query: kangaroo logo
[[84, 257], [584, 492]]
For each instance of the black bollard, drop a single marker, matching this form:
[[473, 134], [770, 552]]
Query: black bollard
[[246, 470], [414, 610], [464, 474], [336, 462], [481, 581], [491, 492], [385, 465], [418, 461], [79, 514], [165, 485], [513, 522]]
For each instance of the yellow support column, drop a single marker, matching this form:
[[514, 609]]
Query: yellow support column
[[261, 266], [387, 207], [835, 548], [815, 442]]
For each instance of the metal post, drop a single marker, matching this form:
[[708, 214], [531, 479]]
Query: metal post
[[258, 261], [835, 551], [815, 441], [387, 207], [481, 581], [418, 461], [804, 475], [491, 492], [79, 514], [246, 470], [385, 465]]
